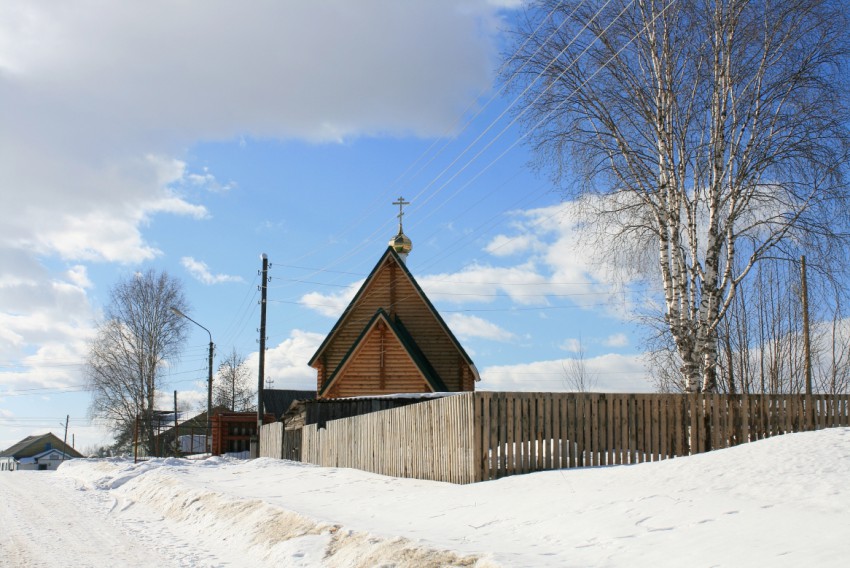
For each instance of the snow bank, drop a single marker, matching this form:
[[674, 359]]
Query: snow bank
[[182, 493], [780, 502]]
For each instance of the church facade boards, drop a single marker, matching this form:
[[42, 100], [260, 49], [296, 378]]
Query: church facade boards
[[391, 339]]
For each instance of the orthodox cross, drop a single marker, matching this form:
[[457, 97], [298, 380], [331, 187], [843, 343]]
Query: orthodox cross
[[401, 203]]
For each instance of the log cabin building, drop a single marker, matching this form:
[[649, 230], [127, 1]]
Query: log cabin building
[[390, 339]]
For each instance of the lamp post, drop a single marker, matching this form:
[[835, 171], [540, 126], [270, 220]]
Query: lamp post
[[209, 376]]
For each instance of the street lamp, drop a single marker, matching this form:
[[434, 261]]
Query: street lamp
[[209, 377]]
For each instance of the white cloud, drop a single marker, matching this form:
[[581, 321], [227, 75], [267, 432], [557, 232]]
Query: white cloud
[[576, 345], [108, 97], [287, 364], [476, 283], [201, 272], [479, 283], [60, 205], [555, 272], [103, 101], [550, 240], [468, 327], [503, 245], [78, 275], [331, 305], [209, 182], [191, 402], [318, 71], [44, 324], [617, 340], [572, 345], [611, 372]]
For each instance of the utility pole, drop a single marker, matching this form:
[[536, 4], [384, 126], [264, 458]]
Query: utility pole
[[262, 373], [176, 433], [807, 347], [65, 439]]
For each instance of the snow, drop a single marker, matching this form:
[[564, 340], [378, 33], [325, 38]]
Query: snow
[[784, 501]]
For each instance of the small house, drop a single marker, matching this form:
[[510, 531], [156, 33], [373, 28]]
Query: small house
[[232, 432], [43, 453]]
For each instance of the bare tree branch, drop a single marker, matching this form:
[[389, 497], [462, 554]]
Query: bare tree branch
[[139, 334], [234, 387], [713, 132]]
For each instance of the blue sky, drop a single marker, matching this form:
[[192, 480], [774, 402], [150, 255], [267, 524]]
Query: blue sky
[[193, 137]]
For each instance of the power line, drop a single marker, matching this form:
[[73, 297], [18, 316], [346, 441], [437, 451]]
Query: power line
[[480, 137], [54, 391], [396, 184], [239, 322]]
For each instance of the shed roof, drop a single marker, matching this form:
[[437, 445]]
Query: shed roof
[[278, 401]]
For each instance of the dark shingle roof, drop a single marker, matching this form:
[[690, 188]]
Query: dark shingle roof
[[278, 401]]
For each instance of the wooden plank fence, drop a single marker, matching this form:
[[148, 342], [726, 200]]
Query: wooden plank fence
[[322, 410], [292, 440], [430, 440], [275, 442], [487, 435], [271, 441], [525, 432]]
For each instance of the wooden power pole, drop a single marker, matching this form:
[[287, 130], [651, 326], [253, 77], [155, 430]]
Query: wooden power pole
[[176, 433], [807, 347], [262, 372], [65, 440]]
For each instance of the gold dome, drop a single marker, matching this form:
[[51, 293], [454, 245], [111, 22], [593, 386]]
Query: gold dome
[[401, 244]]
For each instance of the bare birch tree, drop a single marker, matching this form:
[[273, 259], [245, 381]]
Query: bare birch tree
[[577, 377], [712, 132], [234, 387], [762, 340], [138, 335], [833, 375]]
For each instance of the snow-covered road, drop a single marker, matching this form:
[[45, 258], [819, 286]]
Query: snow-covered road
[[46, 520], [44, 523]]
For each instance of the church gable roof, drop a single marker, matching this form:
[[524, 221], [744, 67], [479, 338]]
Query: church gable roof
[[371, 287], [403, 338]]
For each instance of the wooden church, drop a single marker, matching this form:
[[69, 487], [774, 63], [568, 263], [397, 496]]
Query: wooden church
[[390, 339]]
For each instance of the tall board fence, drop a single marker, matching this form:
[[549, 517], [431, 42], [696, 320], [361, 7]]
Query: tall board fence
[[487, 435], [525, 432], [278, 443], [321, 411], [429, 440]]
